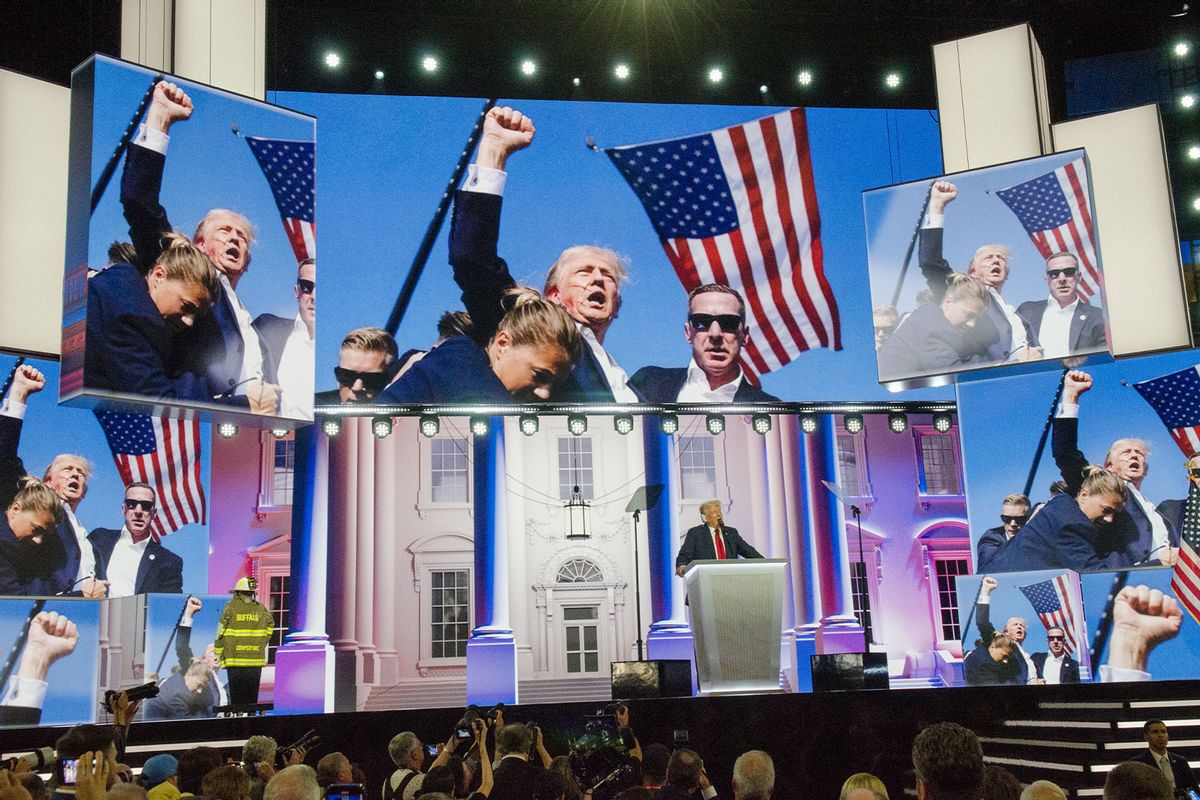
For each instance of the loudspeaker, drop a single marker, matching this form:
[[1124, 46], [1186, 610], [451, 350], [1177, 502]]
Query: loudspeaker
[[634, 680], [841, 672]]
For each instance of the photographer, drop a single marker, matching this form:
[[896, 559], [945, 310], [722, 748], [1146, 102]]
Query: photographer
[[408, 754], [446, 779], [516, 775], [258, 756]]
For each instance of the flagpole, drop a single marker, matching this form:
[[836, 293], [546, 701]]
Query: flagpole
[[912, 243], [11, 377], [1037, 456], [111, 166], [435, 226], [1104, 626]]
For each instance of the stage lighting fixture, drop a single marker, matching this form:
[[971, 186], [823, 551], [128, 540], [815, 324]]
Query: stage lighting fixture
[[332, 426], [761, 423], [805, 77], [716, 75], [279, 433], [898, 422], [623, 423], [529, 424], [576, 82], [942, 422], [669, 423], [429, 64], [1194, 152], [430, 425], [577, 424], [378, 74], [479, 426], [227, 430], [333, 60], [892, 80], [853, 423], [1196, 204], [1188, 100], [621, 71], [1182, 49], [762, 89], [808, 423], [381, 427], [715, 424], [528, 67]]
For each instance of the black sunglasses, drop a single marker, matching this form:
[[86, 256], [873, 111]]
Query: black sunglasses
[[1070, 272], [144, 505], [371, 381], [728, 322], [306, 287], [1193, 472], [1055, 638], [1007, 518]]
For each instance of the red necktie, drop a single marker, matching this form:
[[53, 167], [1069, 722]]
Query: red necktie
[[720, 545]]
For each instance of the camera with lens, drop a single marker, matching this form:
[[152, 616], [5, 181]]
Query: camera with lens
[[306, 742], [137, 693]]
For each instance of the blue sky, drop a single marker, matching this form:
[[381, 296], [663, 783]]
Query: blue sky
[[51, 429], [383, 163], [162, 614], [74, 679]]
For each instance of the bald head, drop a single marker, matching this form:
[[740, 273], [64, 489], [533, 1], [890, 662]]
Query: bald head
[[1043, 790]]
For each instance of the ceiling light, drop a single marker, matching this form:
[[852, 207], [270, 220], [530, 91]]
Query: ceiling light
[[333, 60], [892, 80], [1182, 49], [761, 423], [577, 424], [804, 78], [429, 64], [378, 74], [479, 426], [332, 426], [716, 75], [528, 67], [623, 423], [1188, 100], [1194, 152], [808, 423], [430, 425], [942, 422], [897, 422], [381, 427], [669, 423], [621, 71], [853, 423], [715, 424], [227, 430], [529, 424]]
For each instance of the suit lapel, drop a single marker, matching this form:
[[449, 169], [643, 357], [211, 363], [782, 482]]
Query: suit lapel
[[148, 558]]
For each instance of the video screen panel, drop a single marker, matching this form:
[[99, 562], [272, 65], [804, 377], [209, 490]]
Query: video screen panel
[[54, 661], [180, 656], [388, 161], [979, 269], [190, 279], [130, 505]]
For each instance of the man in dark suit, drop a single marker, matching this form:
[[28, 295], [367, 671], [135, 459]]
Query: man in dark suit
[[289, 346], [1055, 666], [942, 334], [1173, 510], [1007, 338], [222, 346], [1139, 534], [712, 540], [1173, 766], [1065, 323], [183, 695], [716, 330], [516, 773], [366, 365], [218, 694], [584, 280], [1014, 511], [130, 559]]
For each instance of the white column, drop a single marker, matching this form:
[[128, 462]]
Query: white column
[[387, 567]]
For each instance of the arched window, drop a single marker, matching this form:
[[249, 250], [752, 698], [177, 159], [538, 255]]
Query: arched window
[[579, 570]]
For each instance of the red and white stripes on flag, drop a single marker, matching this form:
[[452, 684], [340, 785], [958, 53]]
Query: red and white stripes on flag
[[164, 453], [738, 206], [1051, 600], [1185, 579], [1055, 210]]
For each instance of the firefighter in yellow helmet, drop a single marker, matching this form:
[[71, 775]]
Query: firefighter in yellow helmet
[[243, 633]]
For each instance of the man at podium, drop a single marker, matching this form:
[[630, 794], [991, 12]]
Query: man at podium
[[712, 540]]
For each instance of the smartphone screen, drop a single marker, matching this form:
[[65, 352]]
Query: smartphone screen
[[66, 770], [344, 791]]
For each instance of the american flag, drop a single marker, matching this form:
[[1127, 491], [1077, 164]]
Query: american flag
[[1056, 211], [1185, 580], [289, 169], [164, 453], [738, 206], [1051, 600], [1176, 398]]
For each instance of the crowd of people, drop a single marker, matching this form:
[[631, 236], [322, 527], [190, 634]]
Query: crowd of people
[[486, 758], [964, 321]]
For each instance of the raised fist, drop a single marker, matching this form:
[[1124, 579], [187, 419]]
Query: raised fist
[[26, 381], [1074, 384], [989, 584], [169, 105], [505, 131], [193, 605], [1143, 618], [941, 193]]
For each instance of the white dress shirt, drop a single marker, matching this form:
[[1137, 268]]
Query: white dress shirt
[[1054, 334], [713, 533], [123, 565], [87, 558], [1052, 667], [295, 373], [695, 389]]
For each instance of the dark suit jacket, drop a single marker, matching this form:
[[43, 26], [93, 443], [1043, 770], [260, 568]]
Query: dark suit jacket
[[19, 716], [457, 371], [698, 545], [662, 385], [1087, 325], [174, 701], [273, 333], [1184, 779], [160, 570], [483, 277], [993, 330], [1069, 672], [515, 779], [212, 350], [980, 670], [1172, 512], [925, 343], [988, 545], [62, 554], [1130, 535], [1059, 537], [25, 567], [983, 618]]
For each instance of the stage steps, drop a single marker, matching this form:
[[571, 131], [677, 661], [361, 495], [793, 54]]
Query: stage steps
[[418, 694], [566, 690], [1074, 744]]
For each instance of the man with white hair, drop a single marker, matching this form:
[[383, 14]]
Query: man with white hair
[[1043, 790], [297, 782], [585, 280], [753, 776], [1139, 535]]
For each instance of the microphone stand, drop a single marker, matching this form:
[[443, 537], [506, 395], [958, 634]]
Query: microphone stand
[[644, 499]]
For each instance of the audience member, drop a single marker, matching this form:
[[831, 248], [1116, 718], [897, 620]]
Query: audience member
[[654, 765], [34, 784], [124, 791], [516, 773], [297, 782], [334, 768], [159, 777], [194, 764], [226, 783], [863, 786], [686, 775], [1043, 790], [1173, 766], [1130, 780], [1000, 784], [948, 762], [562, 765], [753, 776]]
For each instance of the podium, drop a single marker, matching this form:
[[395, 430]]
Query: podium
[[737, 619]]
